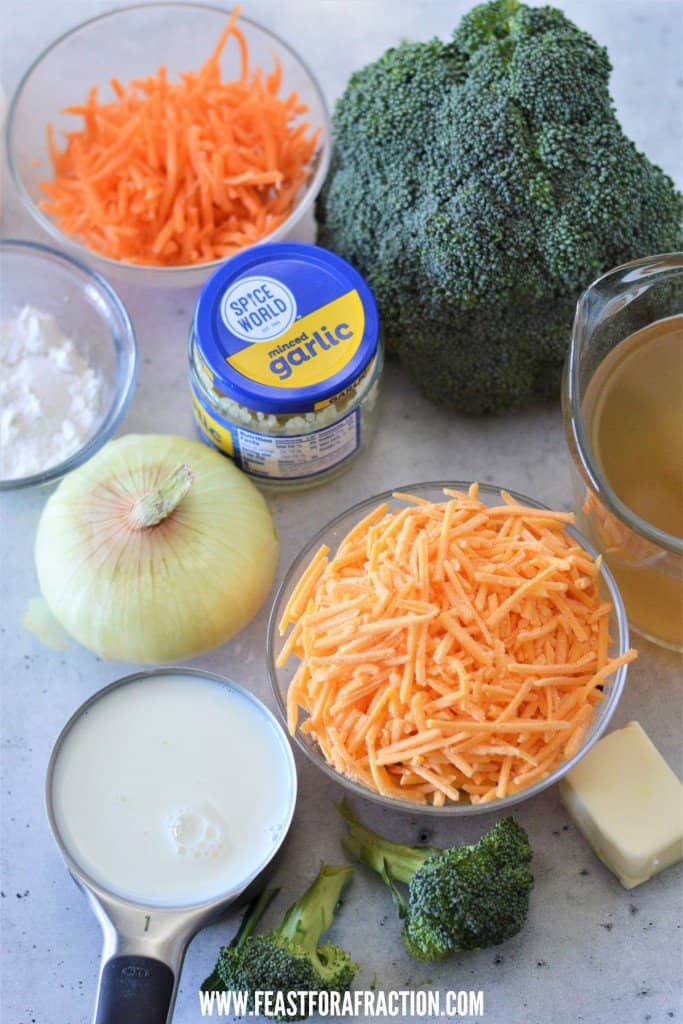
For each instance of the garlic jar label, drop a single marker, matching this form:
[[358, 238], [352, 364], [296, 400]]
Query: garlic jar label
[[282, 457], [316, 348]]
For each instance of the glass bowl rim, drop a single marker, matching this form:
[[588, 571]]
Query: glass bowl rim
[[83, 251], [671, 262], [123, 393], [452, 810]]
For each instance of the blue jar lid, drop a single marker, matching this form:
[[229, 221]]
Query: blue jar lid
[[285, 326]]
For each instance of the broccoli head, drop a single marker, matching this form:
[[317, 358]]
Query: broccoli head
[[459, 899], [288, 959], [480, 185]]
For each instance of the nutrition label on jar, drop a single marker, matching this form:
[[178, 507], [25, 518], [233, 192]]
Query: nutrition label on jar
[[297, 455]]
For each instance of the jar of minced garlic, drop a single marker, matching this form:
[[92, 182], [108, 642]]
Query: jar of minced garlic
[[285, 363]]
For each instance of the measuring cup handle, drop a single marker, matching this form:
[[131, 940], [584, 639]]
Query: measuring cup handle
[[134, 990]]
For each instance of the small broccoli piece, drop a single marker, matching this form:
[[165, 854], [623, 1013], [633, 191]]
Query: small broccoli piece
[[480, 185], [251, 917], [289, 959], [459, 899]]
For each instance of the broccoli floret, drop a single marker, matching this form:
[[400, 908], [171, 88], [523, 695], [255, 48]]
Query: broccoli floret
[[251, 917], [459, 899], [288, 960], [480, 185]]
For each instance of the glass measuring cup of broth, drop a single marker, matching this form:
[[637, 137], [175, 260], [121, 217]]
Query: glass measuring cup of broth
[[623, 410]]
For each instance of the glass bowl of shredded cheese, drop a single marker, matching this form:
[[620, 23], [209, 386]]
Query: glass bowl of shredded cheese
[[449, 648], [68, 360]]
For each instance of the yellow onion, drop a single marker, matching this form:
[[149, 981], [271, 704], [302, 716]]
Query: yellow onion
[[156, 549]]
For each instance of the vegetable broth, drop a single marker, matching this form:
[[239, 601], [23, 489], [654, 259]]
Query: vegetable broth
[[634, 414], [633, 411], [171, 790]]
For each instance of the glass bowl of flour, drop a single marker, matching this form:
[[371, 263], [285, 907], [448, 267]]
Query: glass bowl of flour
[[68, 362]]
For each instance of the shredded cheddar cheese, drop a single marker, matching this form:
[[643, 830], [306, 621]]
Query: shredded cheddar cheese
[[449, 650]]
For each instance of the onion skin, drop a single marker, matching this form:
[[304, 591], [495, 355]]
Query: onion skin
[[168, 591]]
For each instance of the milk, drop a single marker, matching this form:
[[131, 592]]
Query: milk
[[172, 790]]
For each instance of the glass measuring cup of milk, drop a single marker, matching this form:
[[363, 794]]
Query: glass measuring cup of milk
[[634, 304], [169, 794]]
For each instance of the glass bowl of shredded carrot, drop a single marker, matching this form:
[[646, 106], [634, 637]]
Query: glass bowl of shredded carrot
[[450, 648], [163, 138]]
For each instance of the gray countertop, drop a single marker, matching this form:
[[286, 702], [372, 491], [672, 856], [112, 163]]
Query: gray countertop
[[591, 951]]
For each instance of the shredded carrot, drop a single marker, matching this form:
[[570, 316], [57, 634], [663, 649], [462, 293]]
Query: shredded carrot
[[169, 174], [449, 650]]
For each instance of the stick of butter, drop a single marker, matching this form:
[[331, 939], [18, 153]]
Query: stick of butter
[[629, 805]]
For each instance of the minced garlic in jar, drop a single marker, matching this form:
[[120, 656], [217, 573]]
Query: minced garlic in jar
[[285, 363]]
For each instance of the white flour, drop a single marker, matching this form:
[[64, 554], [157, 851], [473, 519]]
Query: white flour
[[49, 395]]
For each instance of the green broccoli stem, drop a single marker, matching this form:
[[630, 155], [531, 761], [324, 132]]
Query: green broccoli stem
[[312, 914], [252, 915], [393, 861]]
